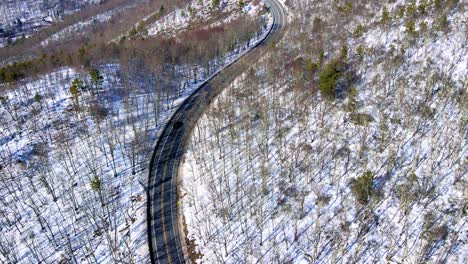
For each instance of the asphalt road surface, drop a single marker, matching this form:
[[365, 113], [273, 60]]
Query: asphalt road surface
[[163, 232]]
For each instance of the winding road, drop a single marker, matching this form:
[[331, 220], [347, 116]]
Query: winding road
[[162, 212]]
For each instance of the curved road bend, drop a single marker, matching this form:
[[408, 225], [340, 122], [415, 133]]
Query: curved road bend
[[163, 232]]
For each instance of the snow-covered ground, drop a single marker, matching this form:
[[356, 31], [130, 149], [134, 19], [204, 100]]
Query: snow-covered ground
[[271, 174], [73, 169], [50, 156], [23, 18], [37, 10], [81, 27], [199, 12]]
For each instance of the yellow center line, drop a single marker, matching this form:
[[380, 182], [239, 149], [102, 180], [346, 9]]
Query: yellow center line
[[273, 5], [162, 213], [162, 192]]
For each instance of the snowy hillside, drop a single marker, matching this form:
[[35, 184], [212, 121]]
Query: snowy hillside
[[80, 27], [201, 12], [74, 151], [19, 18], [346, 144]]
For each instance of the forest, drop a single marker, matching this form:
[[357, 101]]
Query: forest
[[78, 125], [346, 143]]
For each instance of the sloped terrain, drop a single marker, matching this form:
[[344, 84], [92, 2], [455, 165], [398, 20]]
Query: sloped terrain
[[75, 144], [22, 18], [346, 144]]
